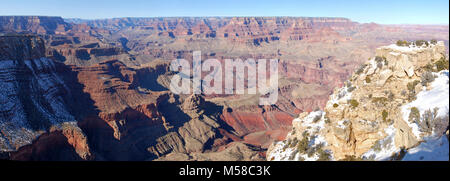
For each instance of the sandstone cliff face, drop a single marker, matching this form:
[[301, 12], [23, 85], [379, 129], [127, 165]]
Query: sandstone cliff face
[[369, 118], [33, 98]]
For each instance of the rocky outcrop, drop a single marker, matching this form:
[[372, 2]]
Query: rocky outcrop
[[366, 118], [65, 143]]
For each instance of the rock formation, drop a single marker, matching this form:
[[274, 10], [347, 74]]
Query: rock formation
[[372, 116]]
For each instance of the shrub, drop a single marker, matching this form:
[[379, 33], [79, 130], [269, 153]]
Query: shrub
[[316, 118], [368, 79], [412, 86], [403, 93], [391, 96], [441, 124], [294, 142], [433, 41], [414, 115], [426, 78], [377, 146], [324, 155], [348, 83], [379, 59], [327, 120], [421, 42], [293, 154], [303, 145], [351, 89], [384, 115], [381, 101], [390, 121], [442, 64], [427, 121], [429, 67], [354, 103], [402, 43], [379, 65], [439, 65], [311, 151], [361, 69], [286, 145]]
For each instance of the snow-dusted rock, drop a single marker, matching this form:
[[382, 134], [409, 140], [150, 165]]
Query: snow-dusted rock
[[370, 121]]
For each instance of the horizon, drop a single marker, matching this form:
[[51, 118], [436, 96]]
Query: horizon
[[82, 19], [433, 12]]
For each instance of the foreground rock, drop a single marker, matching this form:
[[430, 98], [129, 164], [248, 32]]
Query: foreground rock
[[390, 105]]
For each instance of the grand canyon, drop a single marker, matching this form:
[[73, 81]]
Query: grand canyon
[[98, 90]]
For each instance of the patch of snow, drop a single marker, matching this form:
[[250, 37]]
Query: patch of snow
[[278, 154], [343, 95], [436, 97], [405, 49], [433, 149], [6, 64], [388, 147], [14, 127], [313, 127]]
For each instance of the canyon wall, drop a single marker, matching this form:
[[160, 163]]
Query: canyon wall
[[110, 79]]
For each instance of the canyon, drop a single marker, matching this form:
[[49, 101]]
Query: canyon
[[99, 89]]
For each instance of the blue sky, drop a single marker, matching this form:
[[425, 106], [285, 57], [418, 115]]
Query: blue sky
[[378, 11]]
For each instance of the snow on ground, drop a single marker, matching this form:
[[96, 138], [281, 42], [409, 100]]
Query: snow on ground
[[278, 154], [314, 122], [433, 149], [341, 124], [438, 97], [308, 121], [343, 95], [387, 149], [406, 49], [14, 127]]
